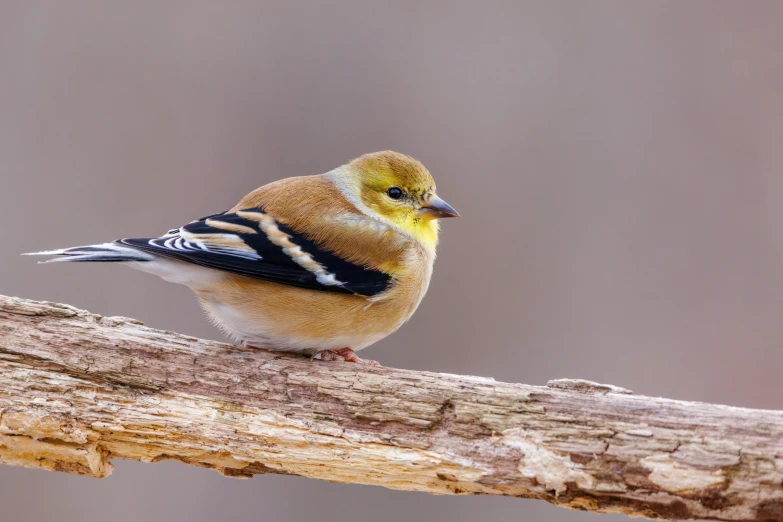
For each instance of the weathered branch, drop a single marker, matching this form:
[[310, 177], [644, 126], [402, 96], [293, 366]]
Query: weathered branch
[[77, 389]]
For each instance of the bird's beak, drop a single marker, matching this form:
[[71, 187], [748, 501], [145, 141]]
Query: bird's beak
[[436, 208]]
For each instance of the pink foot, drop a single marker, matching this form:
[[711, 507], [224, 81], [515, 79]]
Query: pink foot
[[245, 344], [347, 355]]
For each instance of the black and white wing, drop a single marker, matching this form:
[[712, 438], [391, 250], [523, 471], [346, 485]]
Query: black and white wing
[[251, 243]]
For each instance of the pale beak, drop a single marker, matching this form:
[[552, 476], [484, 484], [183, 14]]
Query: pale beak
[[437, 208]]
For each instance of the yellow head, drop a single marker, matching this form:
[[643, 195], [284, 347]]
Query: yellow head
[[400, 190]]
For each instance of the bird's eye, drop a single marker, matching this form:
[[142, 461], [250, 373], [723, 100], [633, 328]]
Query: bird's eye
[[394, 193]]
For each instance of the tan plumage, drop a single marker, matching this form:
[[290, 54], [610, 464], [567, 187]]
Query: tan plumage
[[352, 212]]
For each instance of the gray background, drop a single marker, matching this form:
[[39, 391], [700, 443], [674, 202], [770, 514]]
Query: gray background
[[618, 166]]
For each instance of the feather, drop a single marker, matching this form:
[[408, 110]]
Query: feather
[[248, 243], [251, 243], [107, 252]]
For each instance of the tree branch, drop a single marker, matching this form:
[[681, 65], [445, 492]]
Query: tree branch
[[77, 390]]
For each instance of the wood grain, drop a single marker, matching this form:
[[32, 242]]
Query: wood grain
[[78, 389]]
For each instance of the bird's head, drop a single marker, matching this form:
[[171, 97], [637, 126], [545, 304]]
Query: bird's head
[[400, 190]]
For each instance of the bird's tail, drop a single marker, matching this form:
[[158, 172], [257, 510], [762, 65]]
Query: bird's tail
[[106, 252]]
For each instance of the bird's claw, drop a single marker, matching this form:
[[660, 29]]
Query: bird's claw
[[347, 355]]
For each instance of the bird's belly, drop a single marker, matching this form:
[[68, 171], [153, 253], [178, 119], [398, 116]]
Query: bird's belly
[[283, 318]]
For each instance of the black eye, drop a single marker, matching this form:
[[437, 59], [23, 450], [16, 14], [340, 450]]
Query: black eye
[[394, 193]]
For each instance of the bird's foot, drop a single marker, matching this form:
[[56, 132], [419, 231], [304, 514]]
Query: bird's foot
[[245, 344], [347, 355]]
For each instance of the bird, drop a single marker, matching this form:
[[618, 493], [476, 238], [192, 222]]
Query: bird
[[321, 265]]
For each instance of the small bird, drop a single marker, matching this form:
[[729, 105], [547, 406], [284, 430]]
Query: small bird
[[322, 265]]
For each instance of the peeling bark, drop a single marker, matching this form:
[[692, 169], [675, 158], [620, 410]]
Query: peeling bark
[[78, 389]]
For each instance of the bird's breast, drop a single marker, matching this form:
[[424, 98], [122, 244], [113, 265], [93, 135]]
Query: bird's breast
[[285, 318]]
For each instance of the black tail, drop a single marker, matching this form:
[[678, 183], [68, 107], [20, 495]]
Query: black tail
[[107, 252]]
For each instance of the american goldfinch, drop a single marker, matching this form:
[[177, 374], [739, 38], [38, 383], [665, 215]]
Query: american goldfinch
[[321, 265]]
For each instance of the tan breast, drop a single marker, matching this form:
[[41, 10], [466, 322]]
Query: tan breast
[[281, 317]]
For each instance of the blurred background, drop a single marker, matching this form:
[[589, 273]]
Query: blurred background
[[617, 165]]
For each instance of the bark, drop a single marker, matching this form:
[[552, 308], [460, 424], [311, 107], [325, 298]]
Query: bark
[[77, 390]]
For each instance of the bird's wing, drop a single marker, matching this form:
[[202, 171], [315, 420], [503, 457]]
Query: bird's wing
[[252, 243]]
